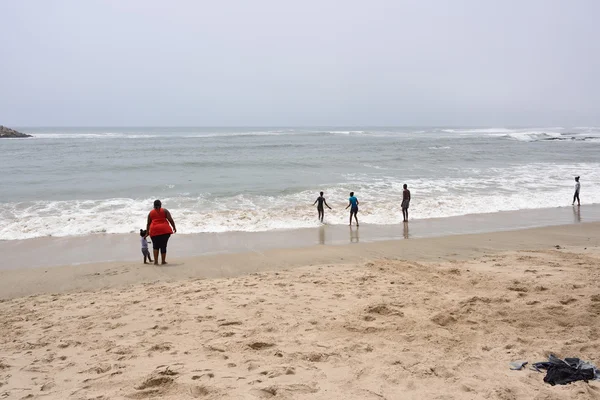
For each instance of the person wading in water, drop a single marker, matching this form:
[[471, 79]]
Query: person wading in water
[[353, 202], [405, 202], [320, 209]]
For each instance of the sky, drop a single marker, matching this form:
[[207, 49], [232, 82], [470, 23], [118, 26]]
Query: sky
[[300, 63]]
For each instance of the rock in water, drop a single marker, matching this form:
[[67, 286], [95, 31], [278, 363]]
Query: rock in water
[[11, 133]]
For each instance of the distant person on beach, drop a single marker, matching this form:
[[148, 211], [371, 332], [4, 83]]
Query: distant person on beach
[[576, 195], [353, 202], [320, 209], [405, 202], [160, 230], [145, 252]]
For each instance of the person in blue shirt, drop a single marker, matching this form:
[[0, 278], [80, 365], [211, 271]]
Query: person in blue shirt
[[353, 202]]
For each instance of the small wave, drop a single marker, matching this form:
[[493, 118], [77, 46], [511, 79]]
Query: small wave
[[374, 166], [522, 135], [346, 133], [533, 136], [371, 133], [239, 134], [479, 130], [550, 136]]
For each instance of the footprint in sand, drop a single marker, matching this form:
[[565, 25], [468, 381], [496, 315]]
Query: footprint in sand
[[98, 369], [316, 357], [260, 345], [265, 393], [443, 319], [567, 300], [282, 390], [230, 323], [47, 386], [199, 391], [207, 376], [161, 347], [385, 309], [156, 384], [278, 372]]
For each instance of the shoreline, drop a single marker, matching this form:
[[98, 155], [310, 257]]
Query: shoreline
[[47, 252], [118, 274]]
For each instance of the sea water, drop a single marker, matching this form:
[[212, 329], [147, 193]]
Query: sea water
[[78, 181]]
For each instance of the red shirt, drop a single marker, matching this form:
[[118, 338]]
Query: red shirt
[[159, 224]]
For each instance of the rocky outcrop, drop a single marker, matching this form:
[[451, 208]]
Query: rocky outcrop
[[11, 133]]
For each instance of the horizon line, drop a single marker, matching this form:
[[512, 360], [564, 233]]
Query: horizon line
[[547, 126]]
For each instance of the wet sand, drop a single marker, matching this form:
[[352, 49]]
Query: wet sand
[[91, 276], [56, 251]]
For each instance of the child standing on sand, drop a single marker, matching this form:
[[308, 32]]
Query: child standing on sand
[[145, 252]]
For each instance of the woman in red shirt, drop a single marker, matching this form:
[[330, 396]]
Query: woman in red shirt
[[160, 230]]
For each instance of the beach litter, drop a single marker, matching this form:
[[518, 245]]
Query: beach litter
[[518, 365], [562, 372]]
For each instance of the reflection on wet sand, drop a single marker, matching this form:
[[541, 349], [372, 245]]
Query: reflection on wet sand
[[406, 236], [354, 235], [577, 213], [322, 234]]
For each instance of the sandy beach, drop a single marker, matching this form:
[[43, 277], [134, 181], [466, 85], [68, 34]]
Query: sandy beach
[[436, 318], [391, 200]]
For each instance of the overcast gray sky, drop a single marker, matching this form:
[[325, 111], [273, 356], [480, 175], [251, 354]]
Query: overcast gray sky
[[309, 62]]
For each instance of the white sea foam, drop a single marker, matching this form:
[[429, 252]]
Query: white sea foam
[[105, 135], [532, 136], [481, 191], [478, 130], [374, 166], [236, 134], [376, 133]]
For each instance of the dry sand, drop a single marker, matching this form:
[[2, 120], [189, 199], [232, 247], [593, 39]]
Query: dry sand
[[387, 327]]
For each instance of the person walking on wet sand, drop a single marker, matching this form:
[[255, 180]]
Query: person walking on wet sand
[[353, 202], [576, 195], [320, 209], [405, 202]]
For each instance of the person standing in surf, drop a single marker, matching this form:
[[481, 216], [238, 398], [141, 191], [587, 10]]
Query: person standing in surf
[[353, 202], [320, 209], [405, 202], [159, 227], [576, 195]]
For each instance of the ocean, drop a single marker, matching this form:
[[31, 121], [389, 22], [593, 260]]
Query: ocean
[[81, 181]]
